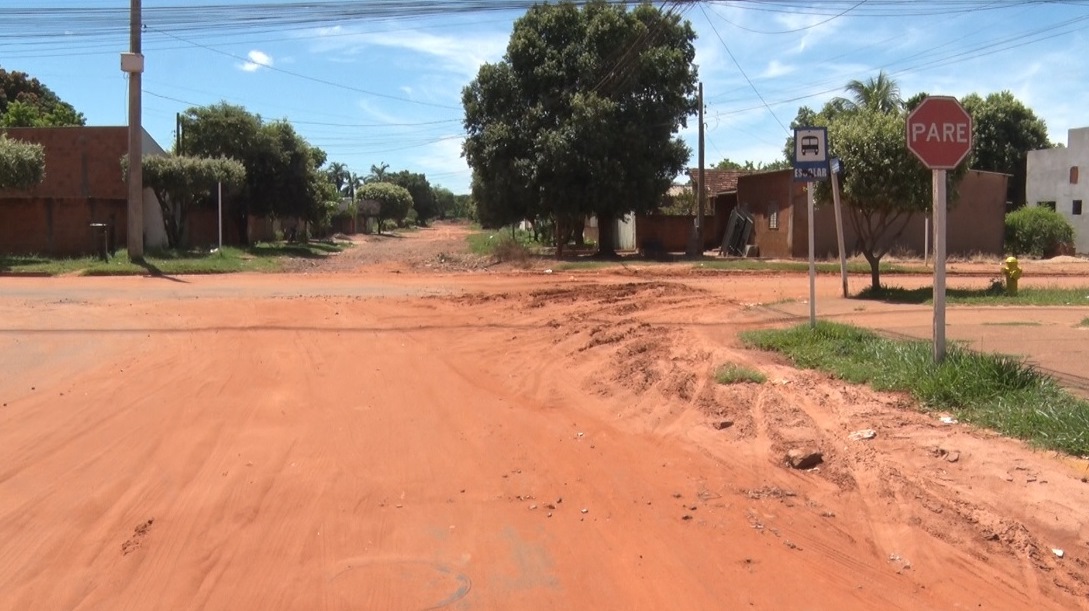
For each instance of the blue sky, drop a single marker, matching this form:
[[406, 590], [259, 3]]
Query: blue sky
[[382, 89]]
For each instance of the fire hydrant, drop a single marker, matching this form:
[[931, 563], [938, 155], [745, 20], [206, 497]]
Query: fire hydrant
[[1012, 271]]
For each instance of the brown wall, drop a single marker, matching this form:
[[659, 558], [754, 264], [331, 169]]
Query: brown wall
[[670, 233], [83, 185], [976, 222], [759, 194], [976, 219], [58, 227], [79, 161]]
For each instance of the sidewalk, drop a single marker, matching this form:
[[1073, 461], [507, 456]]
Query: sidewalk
[[1048, 337]]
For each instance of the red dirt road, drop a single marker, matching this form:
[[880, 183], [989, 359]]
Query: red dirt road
[[389, 436]]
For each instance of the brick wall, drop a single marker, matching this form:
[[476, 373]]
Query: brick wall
[[83, 185], [58, 227], [976, 219], [976, 223], [79, 161]]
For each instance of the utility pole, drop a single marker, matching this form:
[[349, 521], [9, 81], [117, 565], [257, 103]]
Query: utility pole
[[702, 198], [695, 244], [133, 64]]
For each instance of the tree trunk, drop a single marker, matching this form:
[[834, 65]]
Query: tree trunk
[[875, 270], [561, 237], [606, 234]]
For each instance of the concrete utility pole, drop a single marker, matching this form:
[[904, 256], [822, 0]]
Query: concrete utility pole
[[695, 244], [133, 64], [702, 198]]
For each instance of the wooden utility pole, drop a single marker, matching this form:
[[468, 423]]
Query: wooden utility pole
[[133, 64]]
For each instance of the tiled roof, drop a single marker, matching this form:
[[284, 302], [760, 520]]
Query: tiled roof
[[718, 181]]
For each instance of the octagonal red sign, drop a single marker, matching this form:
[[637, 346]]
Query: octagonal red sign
[[939, 132]]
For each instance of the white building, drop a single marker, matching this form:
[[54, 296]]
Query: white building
[[1054, 180]]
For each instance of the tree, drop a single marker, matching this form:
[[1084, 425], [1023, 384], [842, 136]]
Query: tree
[[22, 164], [26, 102], [282, 170], [341, 177], [883, 184], [581, 115], [444, 201], [423, 199], [880, 94], [749, 166], [180, 183], [464, 207], [1003, 132], [394, 201], [379, 173]]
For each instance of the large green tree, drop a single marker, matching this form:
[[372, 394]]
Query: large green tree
[[1004, 130], [879, 93], [423, 199], [883, 184], [444, 201], [26, 102], [394, 201], [283, 176], [181, 183], [22, 164], [581, 115]]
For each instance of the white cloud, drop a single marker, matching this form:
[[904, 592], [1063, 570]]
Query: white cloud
[[258, 60], [460, 54], [775, 69]]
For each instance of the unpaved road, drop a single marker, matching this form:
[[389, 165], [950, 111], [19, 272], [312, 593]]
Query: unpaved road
[[385, 436]]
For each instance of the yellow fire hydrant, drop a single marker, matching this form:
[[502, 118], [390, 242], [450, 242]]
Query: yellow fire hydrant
[[1012, 271]]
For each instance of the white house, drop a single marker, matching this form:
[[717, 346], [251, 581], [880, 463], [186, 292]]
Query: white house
[[1054, 180]]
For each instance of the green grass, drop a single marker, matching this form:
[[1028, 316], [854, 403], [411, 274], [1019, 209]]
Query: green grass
[[853, 267], [990, 390], [1084, 322], [736, 374], [993, 295], [262, 257]]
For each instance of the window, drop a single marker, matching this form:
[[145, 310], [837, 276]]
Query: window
[[773, 215], [1073, 174], [1048, 205], [1075, 208]]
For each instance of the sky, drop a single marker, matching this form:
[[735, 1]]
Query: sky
[[380, 83]]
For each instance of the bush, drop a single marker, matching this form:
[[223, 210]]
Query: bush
[[1036, 231]]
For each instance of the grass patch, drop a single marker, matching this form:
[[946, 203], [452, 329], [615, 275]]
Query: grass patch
[[502, 245], [1084, 322], [261, 257], [990, 390], [853, 267], [736, 374], [1013, 324], [993, 295]]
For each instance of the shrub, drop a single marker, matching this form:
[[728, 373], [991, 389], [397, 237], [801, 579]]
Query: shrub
[[1036, 231]]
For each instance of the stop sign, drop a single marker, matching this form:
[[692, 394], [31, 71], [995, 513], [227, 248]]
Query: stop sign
[[939, 132]]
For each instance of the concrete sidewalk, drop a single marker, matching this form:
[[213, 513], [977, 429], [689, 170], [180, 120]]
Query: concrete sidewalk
[[1048, 337]]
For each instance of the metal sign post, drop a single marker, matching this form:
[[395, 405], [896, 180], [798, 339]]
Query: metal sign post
[[837, 167], [939, 133], [810, 165]]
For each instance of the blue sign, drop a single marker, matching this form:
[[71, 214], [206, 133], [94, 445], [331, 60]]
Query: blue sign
[[810, 154]]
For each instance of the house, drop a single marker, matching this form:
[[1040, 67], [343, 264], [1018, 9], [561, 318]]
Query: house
[[83, 184], [671, 233], [1054, 180], [778, 206]]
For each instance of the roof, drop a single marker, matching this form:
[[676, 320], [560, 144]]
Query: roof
[[718, 181]]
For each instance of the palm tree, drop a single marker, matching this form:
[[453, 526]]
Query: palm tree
[[880, 93], [339, 174], [379, 173]]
